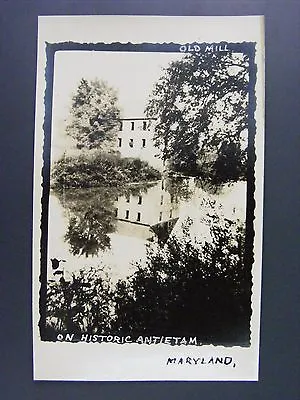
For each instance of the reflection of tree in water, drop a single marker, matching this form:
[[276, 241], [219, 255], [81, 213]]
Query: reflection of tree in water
[[178, 188], [91, 219], [92, 216], [88, 233]]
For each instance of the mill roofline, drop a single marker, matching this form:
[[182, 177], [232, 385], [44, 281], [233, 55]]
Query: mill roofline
[[137, 119]]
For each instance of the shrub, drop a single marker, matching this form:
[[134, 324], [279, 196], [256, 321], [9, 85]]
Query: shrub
[[188, 289], [91, 169], [82, 305]]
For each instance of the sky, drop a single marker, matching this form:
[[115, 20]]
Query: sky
[[133, 74]]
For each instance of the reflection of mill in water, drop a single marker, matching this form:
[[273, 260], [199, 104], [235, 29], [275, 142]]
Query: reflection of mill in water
[[150, 216], [109, 227]]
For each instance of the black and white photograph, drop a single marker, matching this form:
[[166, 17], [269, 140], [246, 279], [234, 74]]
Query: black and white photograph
[[149, 217]]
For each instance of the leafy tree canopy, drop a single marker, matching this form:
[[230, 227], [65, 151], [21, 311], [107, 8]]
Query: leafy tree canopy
[[94, 114], [200, 103]]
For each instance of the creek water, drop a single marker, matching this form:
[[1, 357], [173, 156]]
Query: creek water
[[110, 228]]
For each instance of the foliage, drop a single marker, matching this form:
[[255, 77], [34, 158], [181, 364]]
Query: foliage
[[94, 114], [190, 289], [186, 288], [91, 169], [201, 107], [82, 305]]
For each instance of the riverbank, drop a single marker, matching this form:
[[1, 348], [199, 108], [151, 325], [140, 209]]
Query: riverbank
[[92, 169]]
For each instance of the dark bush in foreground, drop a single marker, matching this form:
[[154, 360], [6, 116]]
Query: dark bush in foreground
[[185, 289], [94, 169], [188, 290], [83, 304]]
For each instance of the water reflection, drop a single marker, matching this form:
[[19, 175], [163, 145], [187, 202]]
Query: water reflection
[[90, 219], [147, 212], [110, 228]]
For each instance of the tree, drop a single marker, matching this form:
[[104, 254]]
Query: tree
[[94, 114], [200, 105]]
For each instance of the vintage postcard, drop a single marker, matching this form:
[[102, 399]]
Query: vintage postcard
[[148, 198]]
